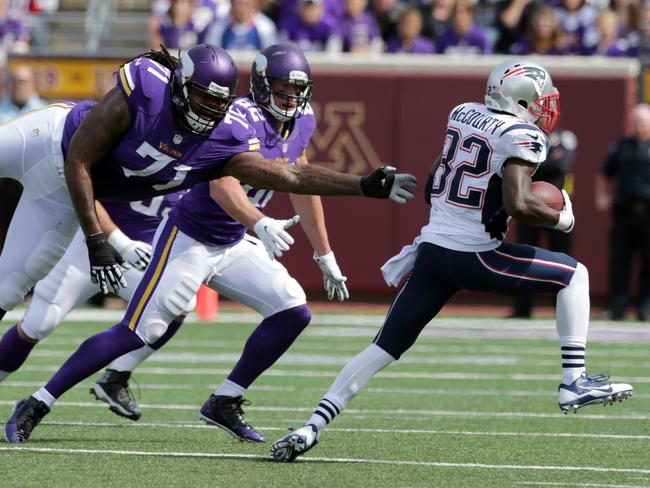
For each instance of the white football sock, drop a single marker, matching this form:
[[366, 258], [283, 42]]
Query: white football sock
[[352, 379], [572, 322], [44, 396], [230, 389], [131, 360]]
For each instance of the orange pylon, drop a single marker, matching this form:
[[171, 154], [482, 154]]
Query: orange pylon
[[207, 304]]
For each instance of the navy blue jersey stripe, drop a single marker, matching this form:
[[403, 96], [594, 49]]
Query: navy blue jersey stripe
[[522, 126]]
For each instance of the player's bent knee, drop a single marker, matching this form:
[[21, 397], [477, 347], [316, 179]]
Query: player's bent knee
[[41, 320], [153, 331], [289, 295], [580, 276]]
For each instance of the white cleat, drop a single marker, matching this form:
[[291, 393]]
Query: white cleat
[[590, 390], [295, 444]]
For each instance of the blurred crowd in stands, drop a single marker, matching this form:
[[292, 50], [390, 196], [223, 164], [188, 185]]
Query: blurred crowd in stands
[[554, 27]]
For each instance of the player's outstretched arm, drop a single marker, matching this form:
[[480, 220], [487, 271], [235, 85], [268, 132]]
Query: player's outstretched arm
[[519, 200], [309, 179]]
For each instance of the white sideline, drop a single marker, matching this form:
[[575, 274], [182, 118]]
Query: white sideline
[[377, 411], [196, 425], [392, 462]]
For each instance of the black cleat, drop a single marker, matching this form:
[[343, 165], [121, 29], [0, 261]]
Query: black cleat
[[113, 388], [226, 413], [26, 415]]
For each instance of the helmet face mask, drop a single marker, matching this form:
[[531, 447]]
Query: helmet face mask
[[280, 81], [524, 89], [203, 87]]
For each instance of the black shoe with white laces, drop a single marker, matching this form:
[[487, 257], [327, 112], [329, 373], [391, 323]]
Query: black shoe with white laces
[[113, 388], [226, 413]]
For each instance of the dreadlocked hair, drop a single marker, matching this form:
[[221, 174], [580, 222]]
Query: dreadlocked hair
[[161, 56]]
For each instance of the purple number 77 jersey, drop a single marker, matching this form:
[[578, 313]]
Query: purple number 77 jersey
[[199, 216], [156, 156]]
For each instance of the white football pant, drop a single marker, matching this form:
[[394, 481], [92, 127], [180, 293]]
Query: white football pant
[[243, 272], [45, 221]]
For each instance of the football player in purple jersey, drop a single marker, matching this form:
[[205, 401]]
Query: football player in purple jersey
[[158, 131], [165, 127], [217, 215]]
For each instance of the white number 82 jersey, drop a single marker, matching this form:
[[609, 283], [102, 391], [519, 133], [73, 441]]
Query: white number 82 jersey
[[466, 199]]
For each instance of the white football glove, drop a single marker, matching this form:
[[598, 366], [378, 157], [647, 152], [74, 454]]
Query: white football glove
[[333, 279], [273, 234], [136, 254], [567, 220]]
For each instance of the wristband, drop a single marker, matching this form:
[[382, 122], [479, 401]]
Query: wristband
[[119, 240]]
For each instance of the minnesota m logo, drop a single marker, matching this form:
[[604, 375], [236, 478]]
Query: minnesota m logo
[[339, 142]]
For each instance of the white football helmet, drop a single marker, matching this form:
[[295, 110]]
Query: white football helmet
[[524, 89]]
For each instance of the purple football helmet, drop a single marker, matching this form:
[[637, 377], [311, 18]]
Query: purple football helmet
[[287, 64], [203, 87]]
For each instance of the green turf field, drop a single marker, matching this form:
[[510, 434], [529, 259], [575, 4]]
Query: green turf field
[[473, 404]]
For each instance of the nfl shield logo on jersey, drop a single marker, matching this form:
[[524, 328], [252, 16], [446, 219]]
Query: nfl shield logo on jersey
[[178, 138]]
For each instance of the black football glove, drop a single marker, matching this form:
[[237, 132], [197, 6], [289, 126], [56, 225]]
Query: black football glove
[[384, 182], [105, 264]]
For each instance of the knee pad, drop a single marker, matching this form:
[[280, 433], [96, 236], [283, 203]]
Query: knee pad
[[153, 330], [580, 276], [289, 294], [41, 319]]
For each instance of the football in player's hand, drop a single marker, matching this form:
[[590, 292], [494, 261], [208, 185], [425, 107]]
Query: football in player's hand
[[549, 193]]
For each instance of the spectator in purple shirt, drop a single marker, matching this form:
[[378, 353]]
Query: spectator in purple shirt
[[464, 36], [287, 8], [174, 29], [311, 28], [14, 35], [544, 34], [408, 38], [358, 31], [576, 18], [607, 39]]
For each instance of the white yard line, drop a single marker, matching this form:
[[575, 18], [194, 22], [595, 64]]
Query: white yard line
[[305, 373], [302, 359], [197, 425], [346, 320], [390, 462], [297, 389], [377, 411]]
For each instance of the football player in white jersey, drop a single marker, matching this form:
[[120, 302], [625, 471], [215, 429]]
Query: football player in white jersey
[[482, 178]]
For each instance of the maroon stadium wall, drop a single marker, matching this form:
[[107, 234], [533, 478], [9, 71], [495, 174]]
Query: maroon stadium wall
[[398, 116]]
